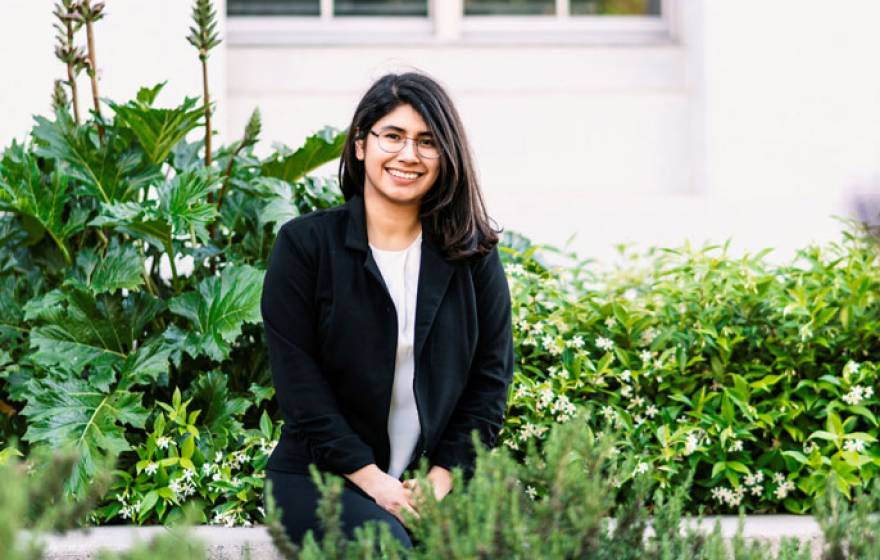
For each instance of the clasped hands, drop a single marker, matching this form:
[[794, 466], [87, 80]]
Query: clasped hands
[[395, 496]]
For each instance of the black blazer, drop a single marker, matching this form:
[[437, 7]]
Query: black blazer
[[331, 330]]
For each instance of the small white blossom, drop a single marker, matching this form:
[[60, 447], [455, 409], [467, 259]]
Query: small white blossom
[[604, 343], [626, 375], [850, 368], [576, 342], [626, 391], [737, 445], [642, 468], [610, 322], [151, 468], [646, 356], [778, 477], [856, 394], [691, 444], [651, 411], [163, 442], [783, 489], [532, 493], [856, 445]]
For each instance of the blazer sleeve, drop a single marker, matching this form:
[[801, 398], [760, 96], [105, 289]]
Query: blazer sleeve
[[307, 401], [483, 402]]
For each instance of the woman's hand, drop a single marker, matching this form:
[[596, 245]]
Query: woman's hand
[[387, 491], [441, 483]]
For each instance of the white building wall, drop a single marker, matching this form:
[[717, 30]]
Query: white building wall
[[756, 121], [138, 43]]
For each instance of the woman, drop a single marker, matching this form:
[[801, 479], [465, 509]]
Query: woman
[[388, 318]]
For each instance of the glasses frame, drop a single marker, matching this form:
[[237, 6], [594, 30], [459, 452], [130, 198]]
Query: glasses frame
[[405, 139]]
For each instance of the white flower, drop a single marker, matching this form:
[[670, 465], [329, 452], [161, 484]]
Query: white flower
[[626, 375], [691, 444], [530, 490], [809, 447], [642, 468], [511, 444], [648, 336], [651, 411], [856, 445], [151, 468], [783, 489], [163, 442], [855, 395], [610, 322], [737, 445], [218, 457], [545, 397], [636, 402], [646, 356], [756, 490], [850, 368], [604, 343], [608, 412], [576, 342], [188, 474], [626, 391], [778, 477]]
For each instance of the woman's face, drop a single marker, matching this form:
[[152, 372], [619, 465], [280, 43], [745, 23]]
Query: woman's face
[[403, 177]]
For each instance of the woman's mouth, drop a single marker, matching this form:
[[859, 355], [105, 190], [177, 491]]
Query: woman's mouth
[[403, 177]]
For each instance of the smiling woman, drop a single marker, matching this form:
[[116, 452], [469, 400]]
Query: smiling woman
[[388, 318]]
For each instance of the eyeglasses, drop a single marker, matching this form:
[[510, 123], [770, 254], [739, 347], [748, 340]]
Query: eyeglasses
[[393, 142]]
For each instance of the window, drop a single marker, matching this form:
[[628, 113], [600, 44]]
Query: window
[[425, 22], [568, 7], [384, 8]]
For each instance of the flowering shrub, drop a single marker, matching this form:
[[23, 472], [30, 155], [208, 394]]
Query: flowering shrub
[[759, 378], [174, 467]]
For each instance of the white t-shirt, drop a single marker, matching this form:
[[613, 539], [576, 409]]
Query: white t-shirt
[[400, 270]]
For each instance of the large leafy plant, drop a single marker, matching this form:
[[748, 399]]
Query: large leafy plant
[[131, 266]]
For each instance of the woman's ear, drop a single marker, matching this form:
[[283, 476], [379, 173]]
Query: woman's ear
[[359, 149]]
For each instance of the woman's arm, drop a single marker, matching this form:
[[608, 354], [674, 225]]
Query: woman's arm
[[304, 395], [482, 404]]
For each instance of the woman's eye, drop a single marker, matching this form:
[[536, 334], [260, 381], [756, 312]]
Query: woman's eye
[[427, 142], [392, 136]]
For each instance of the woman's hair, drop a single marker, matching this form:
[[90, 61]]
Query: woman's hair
[[454, 205]]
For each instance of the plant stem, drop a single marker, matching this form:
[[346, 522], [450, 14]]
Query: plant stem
[[71, 75], [93, 71], [208, 158]]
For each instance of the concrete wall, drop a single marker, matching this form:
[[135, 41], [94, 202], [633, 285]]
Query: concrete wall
[[754, 120]]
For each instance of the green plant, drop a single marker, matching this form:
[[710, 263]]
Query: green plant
[[758, 377]]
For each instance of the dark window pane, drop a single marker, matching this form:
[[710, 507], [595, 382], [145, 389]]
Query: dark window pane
[[273, 7], [413, 8], [509, 7], [615, 7]]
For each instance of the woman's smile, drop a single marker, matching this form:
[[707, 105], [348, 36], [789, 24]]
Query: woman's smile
[[401, 177]]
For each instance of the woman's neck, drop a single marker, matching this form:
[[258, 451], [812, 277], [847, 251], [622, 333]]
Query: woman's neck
[[390, 226]]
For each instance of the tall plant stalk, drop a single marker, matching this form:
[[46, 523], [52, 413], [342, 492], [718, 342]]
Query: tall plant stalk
[[73, 57], [89, 15], [203, 36]]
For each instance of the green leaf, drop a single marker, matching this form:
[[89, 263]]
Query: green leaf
[[158, 130], [72, 411], [218, 309], [119, 267], [182, 203], [110, 171], [43, 198], [323, 146]]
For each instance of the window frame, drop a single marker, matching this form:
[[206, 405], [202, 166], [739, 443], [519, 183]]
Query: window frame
[[447, 24]]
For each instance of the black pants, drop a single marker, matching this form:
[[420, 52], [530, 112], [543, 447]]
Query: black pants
[[297, 496]]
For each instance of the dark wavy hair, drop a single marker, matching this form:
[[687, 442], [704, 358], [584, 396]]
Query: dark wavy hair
[[454, 206]]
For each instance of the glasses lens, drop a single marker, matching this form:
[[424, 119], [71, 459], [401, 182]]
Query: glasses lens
[[393, 142]]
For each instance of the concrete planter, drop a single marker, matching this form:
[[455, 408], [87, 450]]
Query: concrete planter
[[232, 543]]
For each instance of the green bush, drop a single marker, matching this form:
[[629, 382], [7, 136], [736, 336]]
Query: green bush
[[758, 377]]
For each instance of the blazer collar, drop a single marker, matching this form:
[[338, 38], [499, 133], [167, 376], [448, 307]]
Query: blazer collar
[[434, 273]]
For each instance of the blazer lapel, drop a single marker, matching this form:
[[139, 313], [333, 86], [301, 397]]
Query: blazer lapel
[[434, 272]]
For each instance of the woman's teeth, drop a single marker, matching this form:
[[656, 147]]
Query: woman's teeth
[[403, 175]]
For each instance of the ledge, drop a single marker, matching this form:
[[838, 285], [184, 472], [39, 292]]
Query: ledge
[[232, 543]]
